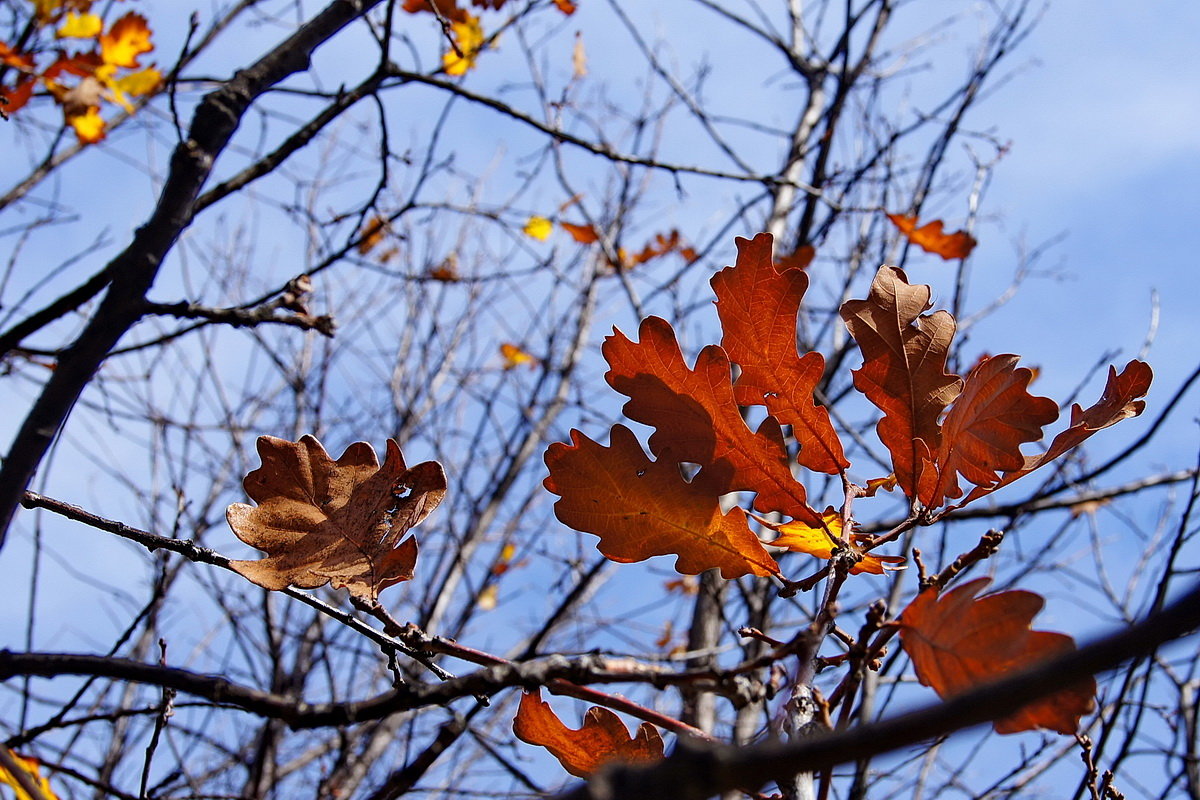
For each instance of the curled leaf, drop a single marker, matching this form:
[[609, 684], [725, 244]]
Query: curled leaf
[[339, 522], [584, 234], [601, 739], [933, 239], [904, 372]]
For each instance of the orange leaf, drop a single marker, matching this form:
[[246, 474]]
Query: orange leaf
[[12, 58], [372, 234], [931, 238], [447, 8], [983, 432], [1119, 401], [904, 372], [515, 356], [127, 39], [959, 642], [819, 540], [641, 508], [18, 95], [758, 305], [447, 271], [340, 522], [801, 259], [601, 739], [565, 6], [584, 234], [697, 418]]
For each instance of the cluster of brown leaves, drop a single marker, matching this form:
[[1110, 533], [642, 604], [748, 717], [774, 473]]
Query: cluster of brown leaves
[[345, 522], [81, 82], [940, 430]]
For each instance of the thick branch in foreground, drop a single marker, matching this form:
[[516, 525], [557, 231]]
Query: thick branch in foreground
[[695, 772]]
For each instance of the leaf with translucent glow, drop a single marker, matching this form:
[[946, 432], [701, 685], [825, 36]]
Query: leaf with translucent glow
[[697, 419], [904, 372], [983, 432], [468, 38], [127, 39], [641, 508], [339, 522], [932, 237], [758, 305], [80, 26], [602, 739], [960, 641], [538, 228], [819, 540], [1119, 401]]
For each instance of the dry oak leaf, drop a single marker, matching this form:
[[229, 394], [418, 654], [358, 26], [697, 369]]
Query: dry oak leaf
[[801, 258], [697, 420], [601, 739], [584, 234], [339, 522], [932, 239], [819, 540], [1120, 400], [959, 641], [983, 432], [641, 508], [372, 233], [904, 372], [758, 304]]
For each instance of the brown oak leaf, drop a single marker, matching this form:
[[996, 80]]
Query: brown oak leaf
[[904, 372], [959, 641], [602, 737], [758, 303], [339, 522], [641, 508], [697, 420], [932, 238]]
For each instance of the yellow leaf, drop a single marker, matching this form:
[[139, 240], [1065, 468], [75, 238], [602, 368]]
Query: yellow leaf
[[818, 540], [139, 83], [80, 26], [89, 126], [538, 228], [468, 38], [135, 84], [515, 356], [32, 772], [127, 39]]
